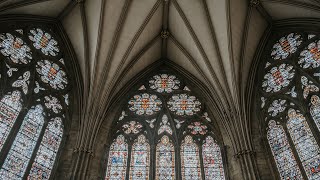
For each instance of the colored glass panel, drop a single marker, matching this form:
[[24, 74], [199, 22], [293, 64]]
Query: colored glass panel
[[315, 110], [15, 49], [44, 41], [140, 155], [47, 152], [278, 77], [310, 56], [305, 143], [198, 128], [50, 73], [212, 160], [117, 161], [23, 146], [165, 160], [190, 161], [165, 126], [285, 46], [164, 83], [183, 104], [145, 104], [282, 152], [10, 107], [132, 127]]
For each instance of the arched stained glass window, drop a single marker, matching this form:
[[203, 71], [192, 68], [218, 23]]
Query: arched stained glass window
[[212, 160], [281, 150], [162, 112], [289, 97], [140, 156], [34, 93], [117, 162], [165, 159], [190, 160]]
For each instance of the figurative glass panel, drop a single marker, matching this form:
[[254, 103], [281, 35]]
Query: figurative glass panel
[[212, 160], [47, 152], [10, 107], [165, 162], [117, 162], [140, 155], [282, 152], [190, 161], [315, 110], [23, 146], [305, 143]]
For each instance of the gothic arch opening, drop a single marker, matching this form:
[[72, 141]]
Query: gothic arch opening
[[287, 98], [162, 128], [37, 81]]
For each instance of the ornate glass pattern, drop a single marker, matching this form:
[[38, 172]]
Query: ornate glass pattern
[[310, 56], [198, 128], [165, 125], [44, 41], [132, 127], [212, 161], [20, 153], [117, 162], [156, 116], [277, 107], [165, 169], [15, 49], [140, 155], [145, 104], [35, 100], [183, 104], [315, 110], [10, 107], [45, 158], [282, 152], [308, 86], [52, 74], [305, 143], [190, 162], [164, 83], [278, 78], [286, 46]]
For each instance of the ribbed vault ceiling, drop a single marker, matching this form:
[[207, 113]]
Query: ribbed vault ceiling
[[215, 40]]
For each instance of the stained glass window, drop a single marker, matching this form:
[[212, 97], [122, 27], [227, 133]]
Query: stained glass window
[[212, 160], [281, 150], [140, 155], [117, 162], [35, 94], [161, 130], [190, 160], [289, 90], [165, 160]]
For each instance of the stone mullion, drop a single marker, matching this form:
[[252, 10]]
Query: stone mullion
[[201, 162], [129, 160]]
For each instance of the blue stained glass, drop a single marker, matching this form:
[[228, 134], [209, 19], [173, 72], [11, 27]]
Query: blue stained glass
[[23, 146], [46, 155], [10, 107]]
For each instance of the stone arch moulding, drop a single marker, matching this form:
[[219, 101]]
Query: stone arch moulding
[[105, 136], [261, 109], [21, 26]]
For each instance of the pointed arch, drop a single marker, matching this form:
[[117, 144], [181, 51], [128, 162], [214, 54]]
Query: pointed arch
[[163, 108]]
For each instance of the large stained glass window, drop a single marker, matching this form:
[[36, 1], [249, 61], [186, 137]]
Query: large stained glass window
[[164, 132], [34, 100], [289, 98]]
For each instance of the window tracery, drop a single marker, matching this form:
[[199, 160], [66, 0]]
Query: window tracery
[[34, 94], [165, 114], [289, 97]]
